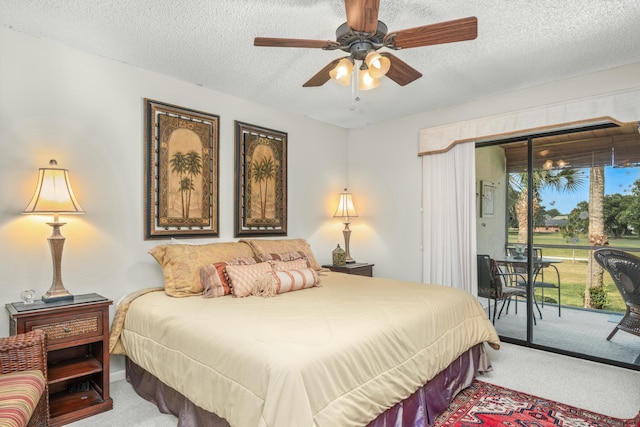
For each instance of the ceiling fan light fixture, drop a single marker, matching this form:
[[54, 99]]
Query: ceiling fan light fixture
[[377, 64], [367, 81], [342, 72]]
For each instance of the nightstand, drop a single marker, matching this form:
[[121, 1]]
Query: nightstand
[[77, 352], [357, 268]]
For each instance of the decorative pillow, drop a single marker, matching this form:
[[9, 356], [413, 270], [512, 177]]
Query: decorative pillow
[[278, 282], [264, 247], [244, 278], [295, 264], [181, 264], [287, 256], [214, 278]]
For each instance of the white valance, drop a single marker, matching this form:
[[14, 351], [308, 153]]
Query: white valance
[[620, 107]]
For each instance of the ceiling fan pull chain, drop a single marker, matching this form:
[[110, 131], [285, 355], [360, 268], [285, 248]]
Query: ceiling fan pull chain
[[355, 87]]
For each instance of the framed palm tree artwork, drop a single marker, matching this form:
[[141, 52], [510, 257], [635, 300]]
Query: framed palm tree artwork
[[181, 172], [261, 181]]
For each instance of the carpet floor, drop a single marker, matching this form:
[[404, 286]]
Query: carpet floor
[[590, 385], [484, 404]]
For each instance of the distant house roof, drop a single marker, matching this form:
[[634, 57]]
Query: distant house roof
[[556, 221]]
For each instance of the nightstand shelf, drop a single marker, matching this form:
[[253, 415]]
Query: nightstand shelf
[[357, 268], [73, 368], [77, 353]]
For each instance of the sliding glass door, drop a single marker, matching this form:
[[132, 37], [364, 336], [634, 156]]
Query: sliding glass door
[[556, 198]]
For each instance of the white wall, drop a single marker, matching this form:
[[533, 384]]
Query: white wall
[[385, 172], [491, 168], [87, 113]]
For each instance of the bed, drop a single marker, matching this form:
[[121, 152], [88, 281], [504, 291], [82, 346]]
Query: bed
[[347, 351]]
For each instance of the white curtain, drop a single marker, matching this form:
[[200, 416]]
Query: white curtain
[[449, 217], [449, 198]]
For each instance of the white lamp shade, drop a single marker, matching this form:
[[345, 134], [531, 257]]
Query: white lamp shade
[[345, 206], [53, 193]]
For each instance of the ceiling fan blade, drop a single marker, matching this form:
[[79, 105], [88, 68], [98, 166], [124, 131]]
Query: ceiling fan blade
[[362, 15], [443, 32], [278, 42], [322, 76], [401, 72]]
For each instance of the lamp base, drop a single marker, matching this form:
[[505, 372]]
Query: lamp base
[[56, 292], [54, 296]]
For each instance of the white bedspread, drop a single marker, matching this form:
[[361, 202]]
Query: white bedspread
[[336, 355]]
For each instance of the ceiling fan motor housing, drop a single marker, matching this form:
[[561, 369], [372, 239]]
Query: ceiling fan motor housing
[[359, 43]]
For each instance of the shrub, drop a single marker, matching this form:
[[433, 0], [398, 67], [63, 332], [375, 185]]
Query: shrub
[[599, 297]]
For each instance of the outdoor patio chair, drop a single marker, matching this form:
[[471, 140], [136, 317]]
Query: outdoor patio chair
[[624, 269], [540, 282], [491, 286]]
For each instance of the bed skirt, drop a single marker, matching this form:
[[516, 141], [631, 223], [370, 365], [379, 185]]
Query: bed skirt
[[418, 410]]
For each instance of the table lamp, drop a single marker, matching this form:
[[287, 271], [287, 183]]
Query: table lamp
[[54, 196], [346, 210]]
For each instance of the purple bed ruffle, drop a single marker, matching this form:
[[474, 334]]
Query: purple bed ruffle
[[418, 410]]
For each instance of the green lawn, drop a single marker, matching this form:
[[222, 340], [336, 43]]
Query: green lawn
[[573, 271]]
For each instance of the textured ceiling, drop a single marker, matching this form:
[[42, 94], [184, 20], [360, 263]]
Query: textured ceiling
[[520, 43]]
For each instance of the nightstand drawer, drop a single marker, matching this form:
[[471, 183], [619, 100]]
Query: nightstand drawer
[[60, 329]]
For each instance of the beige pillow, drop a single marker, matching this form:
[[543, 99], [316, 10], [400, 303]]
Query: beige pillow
[[263, 248], [295, 264], [214, 278], [181, 264], [244, 278]]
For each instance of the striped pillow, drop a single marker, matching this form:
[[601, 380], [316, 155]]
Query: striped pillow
[[19, 395], [278, 282], [214, 280]]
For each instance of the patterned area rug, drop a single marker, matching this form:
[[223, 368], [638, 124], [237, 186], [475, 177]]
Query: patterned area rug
[[483, 404]]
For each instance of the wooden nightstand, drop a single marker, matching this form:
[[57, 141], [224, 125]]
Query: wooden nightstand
[[77, 352], [357, 268]]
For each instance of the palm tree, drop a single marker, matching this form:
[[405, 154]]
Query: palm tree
[[564, 180], [179, 166], [262, 172], [268, 172], [597, 236], [190, 165], [193, 167]]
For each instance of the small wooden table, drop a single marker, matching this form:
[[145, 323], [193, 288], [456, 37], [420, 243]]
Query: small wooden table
[[77, 352], [357, 268]]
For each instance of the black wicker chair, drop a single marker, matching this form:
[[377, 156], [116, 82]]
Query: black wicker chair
[[624, 269]]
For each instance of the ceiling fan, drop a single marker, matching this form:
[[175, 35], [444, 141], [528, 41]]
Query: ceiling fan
[[362, 35]]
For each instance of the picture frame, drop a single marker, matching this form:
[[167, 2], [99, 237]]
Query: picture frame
[[487, 205], [260, 181], [181, 182]]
